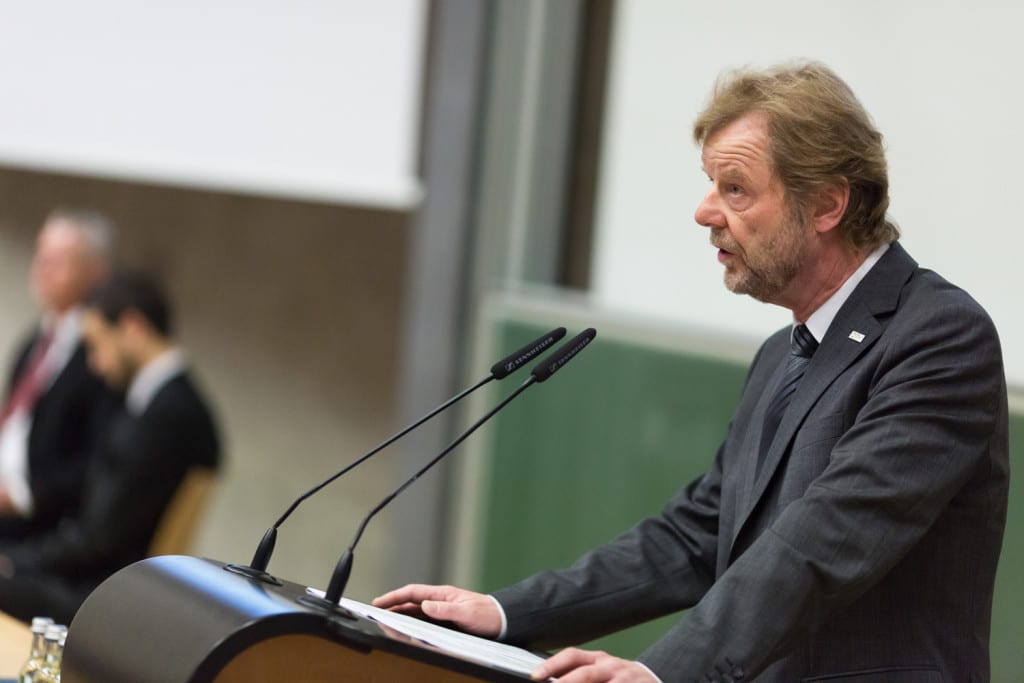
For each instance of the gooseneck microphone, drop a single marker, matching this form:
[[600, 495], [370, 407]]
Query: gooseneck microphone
[[500, 370], [540, 373]]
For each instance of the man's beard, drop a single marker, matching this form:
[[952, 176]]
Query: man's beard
[[121, 376], [770, 267]]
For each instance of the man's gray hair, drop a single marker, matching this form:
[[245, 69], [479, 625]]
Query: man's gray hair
[[97, 229]]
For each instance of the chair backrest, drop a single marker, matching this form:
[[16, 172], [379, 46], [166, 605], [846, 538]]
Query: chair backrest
[[173, 536]]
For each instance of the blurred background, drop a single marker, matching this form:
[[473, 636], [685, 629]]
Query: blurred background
[[357, 207]]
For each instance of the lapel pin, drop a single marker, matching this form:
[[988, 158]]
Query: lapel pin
[[856, 336]]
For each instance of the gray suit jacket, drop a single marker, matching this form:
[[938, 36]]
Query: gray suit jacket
[[866, 549]]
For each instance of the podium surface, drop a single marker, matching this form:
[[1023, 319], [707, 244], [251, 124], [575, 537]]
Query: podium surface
[[15, 641], [179, 619]]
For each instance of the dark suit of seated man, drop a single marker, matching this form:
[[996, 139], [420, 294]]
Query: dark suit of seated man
[[54, 406], [163, 428]]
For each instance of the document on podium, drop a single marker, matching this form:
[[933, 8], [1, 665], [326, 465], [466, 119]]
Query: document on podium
[[480, 650]]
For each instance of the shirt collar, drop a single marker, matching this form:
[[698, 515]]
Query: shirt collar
[[151, 378], [66, 329], [819, 321]]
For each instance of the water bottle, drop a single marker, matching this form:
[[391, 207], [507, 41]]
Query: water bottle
[[37, 655], [50, 672]]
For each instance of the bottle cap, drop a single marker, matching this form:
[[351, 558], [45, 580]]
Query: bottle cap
[[39, 624], [54, 631]]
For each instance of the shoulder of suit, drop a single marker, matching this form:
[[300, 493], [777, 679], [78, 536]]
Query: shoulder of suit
[[179, 409], [177, 390], [927, 287]]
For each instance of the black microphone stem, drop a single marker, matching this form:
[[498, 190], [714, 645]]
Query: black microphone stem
[[507, 365], [261, 558], [396, 437], [341, 571]]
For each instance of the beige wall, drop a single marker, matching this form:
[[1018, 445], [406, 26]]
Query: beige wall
[[291, 314]]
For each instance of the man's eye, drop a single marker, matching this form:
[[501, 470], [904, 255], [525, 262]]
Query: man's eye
[[735, 189]]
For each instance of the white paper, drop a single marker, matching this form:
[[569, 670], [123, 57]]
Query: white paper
[[482, 650]]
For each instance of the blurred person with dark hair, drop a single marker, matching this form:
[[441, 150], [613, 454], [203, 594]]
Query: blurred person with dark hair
[[163, 429], [53, 404]]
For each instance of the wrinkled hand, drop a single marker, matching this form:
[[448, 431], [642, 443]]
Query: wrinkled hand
[[472, 612], [573, 665]]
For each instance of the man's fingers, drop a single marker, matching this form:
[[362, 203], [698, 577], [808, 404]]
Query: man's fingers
[[476, 614], [564, 662], [445, 611], [411, 608], [473, 612], [414, 593], [587, 666]]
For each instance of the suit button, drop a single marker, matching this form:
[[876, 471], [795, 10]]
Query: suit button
[[738, 673]]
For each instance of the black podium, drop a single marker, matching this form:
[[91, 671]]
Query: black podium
[[175, 619]]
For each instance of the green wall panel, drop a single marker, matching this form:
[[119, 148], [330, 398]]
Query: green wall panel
[[1007, 645], [600, 445], [611, 437]]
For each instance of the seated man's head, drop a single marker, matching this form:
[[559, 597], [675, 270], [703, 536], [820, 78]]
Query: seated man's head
[[126, 325], [72, 255]]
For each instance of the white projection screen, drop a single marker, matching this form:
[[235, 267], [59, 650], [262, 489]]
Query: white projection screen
[[314, 99], [940, 80]]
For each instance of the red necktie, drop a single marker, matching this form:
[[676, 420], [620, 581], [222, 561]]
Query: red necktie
[[32, 380]]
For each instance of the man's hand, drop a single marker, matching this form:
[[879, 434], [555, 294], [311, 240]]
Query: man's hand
[[472, 612], [573, 665], [477, 613]]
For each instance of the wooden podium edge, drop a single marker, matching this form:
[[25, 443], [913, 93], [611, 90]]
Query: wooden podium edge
[[178, 619]]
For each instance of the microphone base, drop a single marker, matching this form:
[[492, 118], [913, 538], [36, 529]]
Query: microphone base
[[325, 605], [255, 574]]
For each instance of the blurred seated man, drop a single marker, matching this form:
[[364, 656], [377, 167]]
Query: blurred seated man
[[163, 429], [51, 409]]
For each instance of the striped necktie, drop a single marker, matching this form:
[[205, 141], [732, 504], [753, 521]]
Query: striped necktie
[[801, 348]]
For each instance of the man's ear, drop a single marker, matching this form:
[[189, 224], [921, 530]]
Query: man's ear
[[133, 325], [831, 206]]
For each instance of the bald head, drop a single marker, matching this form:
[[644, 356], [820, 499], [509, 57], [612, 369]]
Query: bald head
[[72, 256]]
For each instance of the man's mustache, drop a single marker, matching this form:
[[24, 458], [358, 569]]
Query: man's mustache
[[720, 241]]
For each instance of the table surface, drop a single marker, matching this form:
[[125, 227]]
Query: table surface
[[15, 641]]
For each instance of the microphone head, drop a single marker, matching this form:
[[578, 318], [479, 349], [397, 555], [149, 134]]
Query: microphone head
[[541, 371], [521, 356]]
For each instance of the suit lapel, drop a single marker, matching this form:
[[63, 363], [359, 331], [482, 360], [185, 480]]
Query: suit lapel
[[854, 330]]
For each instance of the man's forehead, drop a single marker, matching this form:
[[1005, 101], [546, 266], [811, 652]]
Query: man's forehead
[[741, 142], [61, 235]]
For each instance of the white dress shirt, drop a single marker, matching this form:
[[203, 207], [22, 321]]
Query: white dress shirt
[[819, 321], [14, 433]]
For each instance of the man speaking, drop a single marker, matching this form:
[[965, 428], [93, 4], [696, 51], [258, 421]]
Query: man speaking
[[849, 527]]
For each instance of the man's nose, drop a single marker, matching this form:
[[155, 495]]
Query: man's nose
[[708, 214]]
